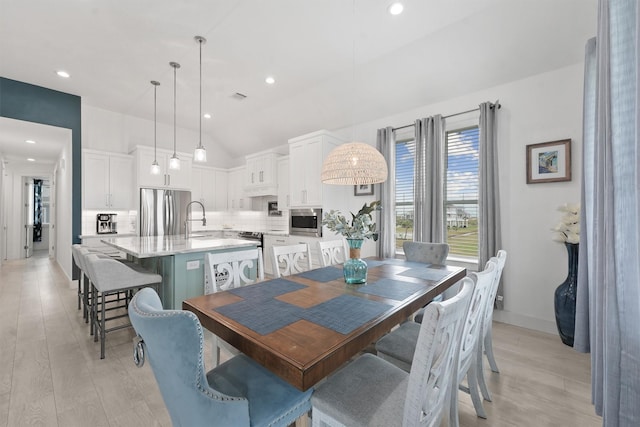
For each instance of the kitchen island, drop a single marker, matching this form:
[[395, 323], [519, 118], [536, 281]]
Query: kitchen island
[[180, 261]]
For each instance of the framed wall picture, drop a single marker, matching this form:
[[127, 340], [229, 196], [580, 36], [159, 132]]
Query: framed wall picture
[[363, 190], [549, 162]]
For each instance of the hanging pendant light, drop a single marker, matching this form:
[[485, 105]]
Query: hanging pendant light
[[155, 167], [354, 163], [200, 153], [174, 161]]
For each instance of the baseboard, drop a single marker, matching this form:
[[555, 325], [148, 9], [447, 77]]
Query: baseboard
[[525, 321]]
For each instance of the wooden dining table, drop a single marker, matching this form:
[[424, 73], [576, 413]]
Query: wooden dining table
[[305, 326]]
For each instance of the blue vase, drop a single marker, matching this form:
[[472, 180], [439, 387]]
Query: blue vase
[[355, 269], [565, 298]]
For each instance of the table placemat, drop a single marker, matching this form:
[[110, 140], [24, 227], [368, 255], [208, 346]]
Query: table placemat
[[392, 289], [345, 313], [425, 273], [263, 317], [267, 290], [371, 263], [325, 274]]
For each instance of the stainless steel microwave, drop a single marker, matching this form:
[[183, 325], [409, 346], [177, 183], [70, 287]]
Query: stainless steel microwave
[[305, 222]]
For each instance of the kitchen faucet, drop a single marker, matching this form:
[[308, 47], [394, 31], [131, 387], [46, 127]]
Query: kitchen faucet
[[187, 225]]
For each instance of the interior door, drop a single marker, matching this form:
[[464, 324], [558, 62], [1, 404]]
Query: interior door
[[27, 198]]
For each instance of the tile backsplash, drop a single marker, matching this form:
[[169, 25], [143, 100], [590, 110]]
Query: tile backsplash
[[237, 220]]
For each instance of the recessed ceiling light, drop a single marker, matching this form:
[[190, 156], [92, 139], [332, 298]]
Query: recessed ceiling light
[[207, 116], [30, 141], [63, 74], [31, 160], [270, 80], [396, 8]]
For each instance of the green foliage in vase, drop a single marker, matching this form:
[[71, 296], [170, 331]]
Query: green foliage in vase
[[361, 227]]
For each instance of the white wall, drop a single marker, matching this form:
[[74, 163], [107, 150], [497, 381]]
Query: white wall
[[63, 176], [542, 108], [119, 133]]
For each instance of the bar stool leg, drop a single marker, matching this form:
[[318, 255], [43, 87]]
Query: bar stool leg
[[102, 325]]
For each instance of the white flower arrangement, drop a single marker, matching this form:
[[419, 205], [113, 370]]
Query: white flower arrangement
[[568, 230]]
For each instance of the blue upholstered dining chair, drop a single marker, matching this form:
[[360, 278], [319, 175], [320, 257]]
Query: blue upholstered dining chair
[[238, 392], [373, 392], [428, 253]]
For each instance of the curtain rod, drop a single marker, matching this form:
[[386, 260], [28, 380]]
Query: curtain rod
[[450, 115]]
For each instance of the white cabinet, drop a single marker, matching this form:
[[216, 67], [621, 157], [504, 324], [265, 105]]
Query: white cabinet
[[261, 175], [237, 199], [167, 178], [284, 201], [209, 187], [108, 180], [222, 190], [306, 154]]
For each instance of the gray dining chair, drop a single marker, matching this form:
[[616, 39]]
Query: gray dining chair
[[425, 252], [229, 270], [332, 252], [291, 259], [486, 337], [373, 392], [428, 253], [238, 392]]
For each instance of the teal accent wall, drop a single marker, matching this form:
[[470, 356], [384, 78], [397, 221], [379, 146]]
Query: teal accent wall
[[23, 101]]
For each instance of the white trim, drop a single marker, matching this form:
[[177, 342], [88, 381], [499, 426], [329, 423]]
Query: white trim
[[525, 321]]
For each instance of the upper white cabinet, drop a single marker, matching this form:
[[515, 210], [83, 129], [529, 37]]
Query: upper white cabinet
[[284, 201], [306, 154], [167, 178], [108, 180], [261, 174], [237, 199], [209, 187]]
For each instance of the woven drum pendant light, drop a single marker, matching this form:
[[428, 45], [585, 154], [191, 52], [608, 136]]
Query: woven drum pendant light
[[155, 167], [200, 153], [174, 161], [354, 163]]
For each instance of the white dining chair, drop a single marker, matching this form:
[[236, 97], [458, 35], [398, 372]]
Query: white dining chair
[[486, 337], [332, 252], [399, 345], [229, 270], [291, 259], [370, 391]]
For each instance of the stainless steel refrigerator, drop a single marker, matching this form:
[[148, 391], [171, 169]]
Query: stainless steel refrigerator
[[163, 212]]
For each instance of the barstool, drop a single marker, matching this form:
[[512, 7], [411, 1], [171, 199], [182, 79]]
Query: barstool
[[79, 253], [110, 277]]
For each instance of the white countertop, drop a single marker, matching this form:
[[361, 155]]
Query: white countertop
[[157, 246]]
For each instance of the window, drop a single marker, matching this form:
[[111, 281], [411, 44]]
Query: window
[[461, 190], [405, 160]]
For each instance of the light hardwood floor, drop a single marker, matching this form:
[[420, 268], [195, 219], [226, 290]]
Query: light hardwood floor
[[51, 373]]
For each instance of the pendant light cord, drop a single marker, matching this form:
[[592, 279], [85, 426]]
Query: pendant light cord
[[174, 110], [200, 116], [155, 122]]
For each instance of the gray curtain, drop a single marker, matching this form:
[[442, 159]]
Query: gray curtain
[[609, 287], [490, 236], [428, 222], [387, 241]]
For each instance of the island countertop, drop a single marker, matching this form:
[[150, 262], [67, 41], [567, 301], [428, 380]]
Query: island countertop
[[159, 246]]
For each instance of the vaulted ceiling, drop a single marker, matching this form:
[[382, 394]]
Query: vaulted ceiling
[[335, 62]]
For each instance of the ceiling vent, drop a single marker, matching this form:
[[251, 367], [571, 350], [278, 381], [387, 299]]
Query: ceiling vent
[[239, 96]]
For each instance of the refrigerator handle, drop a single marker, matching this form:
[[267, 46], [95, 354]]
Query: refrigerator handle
[[168, 213], [172, 208]]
